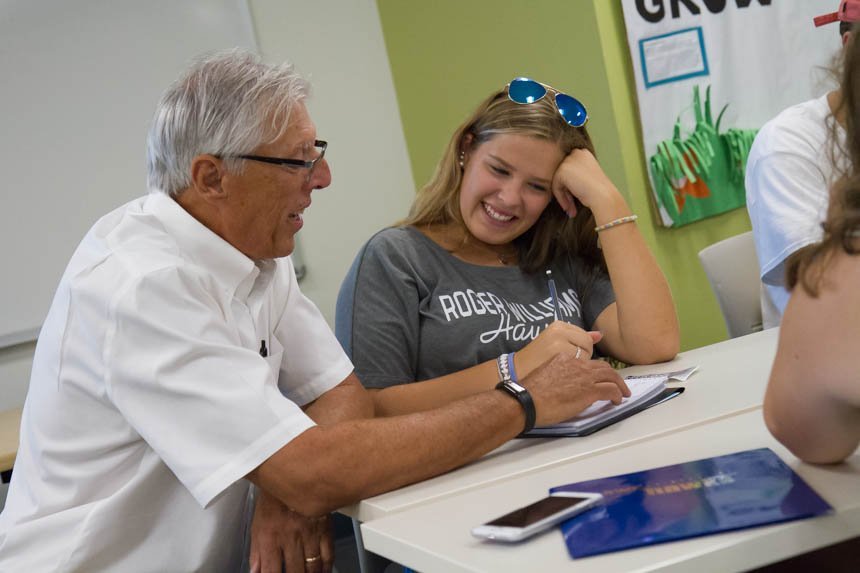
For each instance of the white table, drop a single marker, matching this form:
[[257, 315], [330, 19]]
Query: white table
[[731, 379], [435, 536]]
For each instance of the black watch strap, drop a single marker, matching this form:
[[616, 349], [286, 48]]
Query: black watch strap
[[523, 397]]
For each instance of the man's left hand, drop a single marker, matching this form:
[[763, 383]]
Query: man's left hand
[[283, 540]]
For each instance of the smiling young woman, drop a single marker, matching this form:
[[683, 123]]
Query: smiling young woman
[[435, 308]]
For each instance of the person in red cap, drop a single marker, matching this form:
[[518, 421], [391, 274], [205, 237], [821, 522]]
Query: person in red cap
[[789, 170], [812, 403], [846, 15]]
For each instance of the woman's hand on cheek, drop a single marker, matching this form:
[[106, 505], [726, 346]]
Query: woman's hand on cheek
[[580, 176]]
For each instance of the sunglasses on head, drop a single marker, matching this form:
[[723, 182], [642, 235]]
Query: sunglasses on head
[[525, 90]]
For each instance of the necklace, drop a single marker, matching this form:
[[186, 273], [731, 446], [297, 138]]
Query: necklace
[[468, 251], [505, 259]]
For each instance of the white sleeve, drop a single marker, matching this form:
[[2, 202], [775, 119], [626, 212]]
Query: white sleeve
[[313, 361], [210, 408], [787, 197]]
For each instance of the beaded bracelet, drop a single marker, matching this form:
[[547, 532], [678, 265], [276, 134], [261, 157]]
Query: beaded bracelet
[[502, 365], [616, 222]]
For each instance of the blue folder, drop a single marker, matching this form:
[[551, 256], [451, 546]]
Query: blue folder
[[724, 493]]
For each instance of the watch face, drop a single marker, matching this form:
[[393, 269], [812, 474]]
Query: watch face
[[516, 387], [511, 388], [523, 397]]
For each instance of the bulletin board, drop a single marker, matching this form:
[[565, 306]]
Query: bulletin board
[[709, 74]]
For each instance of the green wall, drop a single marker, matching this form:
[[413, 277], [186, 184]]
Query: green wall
[[448, 55]]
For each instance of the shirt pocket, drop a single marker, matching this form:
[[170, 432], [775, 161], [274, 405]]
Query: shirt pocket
[[274, 359]]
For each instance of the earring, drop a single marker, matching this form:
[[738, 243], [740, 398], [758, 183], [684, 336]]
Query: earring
[[462, 159]]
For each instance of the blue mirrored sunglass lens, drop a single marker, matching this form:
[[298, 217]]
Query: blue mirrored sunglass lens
[[524, 90], [571, 110]]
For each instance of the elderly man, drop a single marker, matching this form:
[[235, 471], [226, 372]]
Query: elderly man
[[180, 363]]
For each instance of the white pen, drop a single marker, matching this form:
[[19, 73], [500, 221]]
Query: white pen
[[553, 295]]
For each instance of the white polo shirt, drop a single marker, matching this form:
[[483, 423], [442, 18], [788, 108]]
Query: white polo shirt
[[149, 398]]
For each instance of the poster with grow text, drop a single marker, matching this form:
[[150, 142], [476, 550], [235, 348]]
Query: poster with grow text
[[709, 74]]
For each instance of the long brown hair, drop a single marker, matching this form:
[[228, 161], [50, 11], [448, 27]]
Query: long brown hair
[[842, 225], [554, 234]]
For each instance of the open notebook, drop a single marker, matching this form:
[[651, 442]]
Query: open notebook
[[646, 390]]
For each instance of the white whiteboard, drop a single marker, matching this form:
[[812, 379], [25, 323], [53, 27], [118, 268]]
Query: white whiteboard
[[79, 81]]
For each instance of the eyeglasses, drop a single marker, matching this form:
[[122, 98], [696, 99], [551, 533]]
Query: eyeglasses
[[525, 90], [319, 145]]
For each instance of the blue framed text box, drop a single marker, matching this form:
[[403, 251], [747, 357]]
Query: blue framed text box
[[673, 57]]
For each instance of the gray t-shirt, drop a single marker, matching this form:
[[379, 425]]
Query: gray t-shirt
[[408, 310]]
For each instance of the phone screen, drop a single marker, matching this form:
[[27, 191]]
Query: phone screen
[[525, 516]]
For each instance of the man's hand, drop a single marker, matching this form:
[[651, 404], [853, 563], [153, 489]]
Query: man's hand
[[563, 387], [283, 540]]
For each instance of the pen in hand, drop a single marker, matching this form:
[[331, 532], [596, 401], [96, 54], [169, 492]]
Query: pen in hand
[[553, 295]]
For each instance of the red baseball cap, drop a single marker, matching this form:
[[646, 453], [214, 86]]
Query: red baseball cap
[[849, 11]]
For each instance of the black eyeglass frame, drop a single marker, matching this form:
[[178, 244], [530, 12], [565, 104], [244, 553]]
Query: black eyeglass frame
[[319, 143]]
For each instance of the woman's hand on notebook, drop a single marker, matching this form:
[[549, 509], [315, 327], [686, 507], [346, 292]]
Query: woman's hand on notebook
[[559, 337]]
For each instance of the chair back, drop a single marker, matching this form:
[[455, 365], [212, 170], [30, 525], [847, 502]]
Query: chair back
[[732, 269]]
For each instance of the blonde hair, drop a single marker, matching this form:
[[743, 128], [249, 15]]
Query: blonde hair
[[554, 234]]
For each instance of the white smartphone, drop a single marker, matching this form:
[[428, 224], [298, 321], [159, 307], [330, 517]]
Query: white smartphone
[[538, 516]]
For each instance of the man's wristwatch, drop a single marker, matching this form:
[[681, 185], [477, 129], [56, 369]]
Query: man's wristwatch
[[523, 397]]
